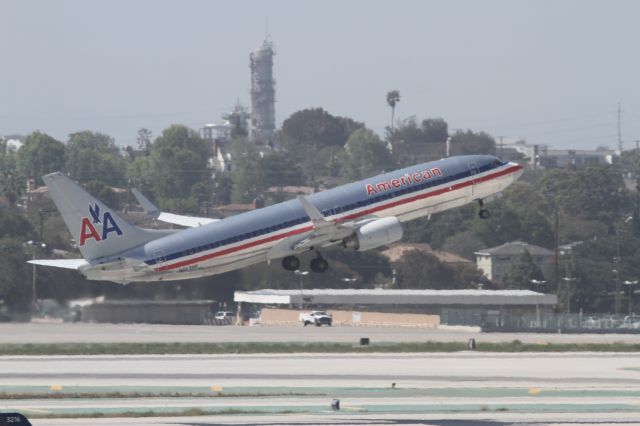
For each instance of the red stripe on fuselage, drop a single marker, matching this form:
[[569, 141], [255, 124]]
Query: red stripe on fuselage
[[392, 204]]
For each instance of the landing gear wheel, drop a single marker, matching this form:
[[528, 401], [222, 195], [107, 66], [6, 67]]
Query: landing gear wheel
[[319, 264], [483, 213], [291, 263]]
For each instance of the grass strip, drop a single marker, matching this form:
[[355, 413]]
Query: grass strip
[[133, 395], [285, 348], [152, 413]]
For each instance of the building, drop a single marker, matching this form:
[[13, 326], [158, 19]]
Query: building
[[550, 158], [219, 136], [490, 308], [263, 95], [495, 262]]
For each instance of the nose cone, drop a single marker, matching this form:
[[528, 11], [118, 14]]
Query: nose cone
[[516, 169]]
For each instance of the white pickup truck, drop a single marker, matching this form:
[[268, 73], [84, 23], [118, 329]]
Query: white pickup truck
[[318, 318]]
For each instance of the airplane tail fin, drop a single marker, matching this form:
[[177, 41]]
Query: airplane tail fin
[[97, 229]]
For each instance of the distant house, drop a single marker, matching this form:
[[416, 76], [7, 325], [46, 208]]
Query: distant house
[[220, 160], [13, 145], [495, 262]]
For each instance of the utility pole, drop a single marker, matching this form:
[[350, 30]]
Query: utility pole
[[636, 212], [556, 243], [619, 130], [630, 284], [616, 261]]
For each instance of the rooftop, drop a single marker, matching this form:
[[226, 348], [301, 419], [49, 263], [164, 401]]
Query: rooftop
[[515, 248], [395, 252], [397, 297]]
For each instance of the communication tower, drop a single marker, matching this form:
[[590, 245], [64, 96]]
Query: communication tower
[[263, 94]]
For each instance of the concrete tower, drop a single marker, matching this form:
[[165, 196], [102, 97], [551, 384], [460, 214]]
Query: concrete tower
[[263, 94]]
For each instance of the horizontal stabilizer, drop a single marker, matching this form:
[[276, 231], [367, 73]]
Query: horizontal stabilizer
[[61, 263], [188, 221], [153, 211]]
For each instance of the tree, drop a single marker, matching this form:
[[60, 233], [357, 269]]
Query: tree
[[313, 138], [464, 244], [178, 162], [248, 182], [103, 193], [94, 156], [435, 130], [279, 169], [467, 143], [12, 186], [15, 286], [407, 131], [315, 128], [41, 154], [141, 174], [393, 97], [593, 193], [416, 269], [144, 140], [365, 155], [15, 225], [521, 272], [508, 223]]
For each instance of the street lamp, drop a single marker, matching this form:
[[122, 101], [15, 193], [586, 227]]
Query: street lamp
[[34, 245], [568, 280], [629, 284], [537, 283], [301, 274]]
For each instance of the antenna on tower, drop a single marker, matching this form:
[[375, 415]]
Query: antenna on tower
[[266, 28]]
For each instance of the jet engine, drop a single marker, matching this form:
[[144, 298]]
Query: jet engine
[[375, 234]]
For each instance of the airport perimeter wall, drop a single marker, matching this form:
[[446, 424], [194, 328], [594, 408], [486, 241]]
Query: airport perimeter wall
[[269, 316]]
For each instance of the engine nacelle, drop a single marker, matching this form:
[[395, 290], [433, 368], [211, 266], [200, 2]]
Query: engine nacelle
[[375, 234]]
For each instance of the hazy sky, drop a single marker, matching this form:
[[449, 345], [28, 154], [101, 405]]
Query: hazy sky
[[548, 71]]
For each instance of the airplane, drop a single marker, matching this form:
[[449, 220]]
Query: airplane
[[359, 216]]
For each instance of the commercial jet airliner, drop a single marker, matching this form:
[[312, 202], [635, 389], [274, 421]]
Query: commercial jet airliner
[[358, 216]]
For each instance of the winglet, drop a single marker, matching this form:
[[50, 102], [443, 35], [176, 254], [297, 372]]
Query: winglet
[[149, 208], [314, 214]]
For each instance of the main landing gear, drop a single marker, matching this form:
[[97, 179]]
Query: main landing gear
[[483, 213], [291, 263], [319, 264]]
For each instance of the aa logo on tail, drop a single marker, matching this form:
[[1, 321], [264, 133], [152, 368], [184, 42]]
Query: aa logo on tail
[[88, 228]]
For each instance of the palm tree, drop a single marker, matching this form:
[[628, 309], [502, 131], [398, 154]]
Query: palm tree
[[393, 97]]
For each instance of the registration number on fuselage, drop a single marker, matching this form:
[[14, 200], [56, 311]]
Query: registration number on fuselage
[[188, 268]]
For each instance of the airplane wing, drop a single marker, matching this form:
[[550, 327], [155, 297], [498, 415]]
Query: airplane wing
[[60, 263], [324, 230], [325, 233], [175, 219]]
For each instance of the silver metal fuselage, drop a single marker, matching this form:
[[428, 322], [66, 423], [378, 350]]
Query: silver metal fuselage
[[250, 238]]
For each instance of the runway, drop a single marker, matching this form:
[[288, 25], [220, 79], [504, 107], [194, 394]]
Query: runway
[[144, 333], [297, 389], [445, 389]]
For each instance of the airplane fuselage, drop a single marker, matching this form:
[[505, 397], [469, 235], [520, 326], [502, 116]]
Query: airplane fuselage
[[261, 235]]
